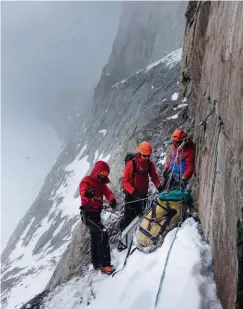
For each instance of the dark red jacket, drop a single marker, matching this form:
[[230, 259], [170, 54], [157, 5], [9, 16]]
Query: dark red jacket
[[140, 181], [92, 182], [182, 164]]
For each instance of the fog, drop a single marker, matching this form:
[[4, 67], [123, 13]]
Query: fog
[[52, 54]]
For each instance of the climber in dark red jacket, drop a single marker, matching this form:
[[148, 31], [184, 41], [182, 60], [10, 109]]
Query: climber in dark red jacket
[[92, 188], [136, 183], [181, 162]]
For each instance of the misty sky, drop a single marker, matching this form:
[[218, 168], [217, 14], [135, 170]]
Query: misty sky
[[50, 50]]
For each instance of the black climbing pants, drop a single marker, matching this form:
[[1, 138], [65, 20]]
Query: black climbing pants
[[100, 249], [132, 210]]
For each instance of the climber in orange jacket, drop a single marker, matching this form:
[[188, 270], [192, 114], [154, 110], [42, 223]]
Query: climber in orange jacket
[[181, 162], [92, 188], [136, 183]]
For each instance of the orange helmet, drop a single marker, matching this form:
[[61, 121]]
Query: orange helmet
[[178, 135], [145, 149]]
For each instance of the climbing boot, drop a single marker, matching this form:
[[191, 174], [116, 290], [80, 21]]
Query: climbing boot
[[108, 270]]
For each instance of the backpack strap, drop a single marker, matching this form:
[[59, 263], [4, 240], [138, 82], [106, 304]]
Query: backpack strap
[[134, 171]]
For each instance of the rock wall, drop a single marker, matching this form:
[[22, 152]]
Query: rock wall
[[212, 77]]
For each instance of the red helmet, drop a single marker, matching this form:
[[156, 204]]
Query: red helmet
[[145, 149], [178, 135]]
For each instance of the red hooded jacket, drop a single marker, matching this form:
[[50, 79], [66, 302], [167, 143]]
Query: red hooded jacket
[[182, 164], [140, 181], [93, 182]]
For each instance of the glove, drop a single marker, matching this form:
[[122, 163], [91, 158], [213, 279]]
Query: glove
[[160, 188], [113, 204], [165, 172], [89, 193]]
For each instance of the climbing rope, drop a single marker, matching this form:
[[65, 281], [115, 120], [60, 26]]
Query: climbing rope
[[165, 266], [106, 207], [180, 148]]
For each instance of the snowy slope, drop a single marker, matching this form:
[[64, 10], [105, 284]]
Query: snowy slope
[[169, 61], [188, 281], [35, 267]]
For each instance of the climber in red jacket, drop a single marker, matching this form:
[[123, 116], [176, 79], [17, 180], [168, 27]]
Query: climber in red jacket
[[181, 165], [92, 188], [136, 183]]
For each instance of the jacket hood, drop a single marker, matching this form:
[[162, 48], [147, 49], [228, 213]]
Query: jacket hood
[[99, 167]]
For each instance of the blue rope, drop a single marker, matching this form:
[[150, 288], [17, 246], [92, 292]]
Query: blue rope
[[164, 270]]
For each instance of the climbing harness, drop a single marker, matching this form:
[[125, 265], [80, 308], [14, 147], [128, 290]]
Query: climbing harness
[[180, 147]]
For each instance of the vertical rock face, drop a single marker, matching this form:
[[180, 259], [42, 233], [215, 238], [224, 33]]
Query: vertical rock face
[[212, 76]]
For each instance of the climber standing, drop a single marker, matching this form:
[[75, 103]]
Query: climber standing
[[181, 164], [136, 183], [92, 188]]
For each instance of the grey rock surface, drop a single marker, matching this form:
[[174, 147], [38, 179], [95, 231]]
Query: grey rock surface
[[212, 75]]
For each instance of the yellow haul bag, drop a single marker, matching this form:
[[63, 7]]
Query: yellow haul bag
[[163, 216]]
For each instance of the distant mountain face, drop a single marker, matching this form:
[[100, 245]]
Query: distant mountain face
[[145, 105], [147, 32]]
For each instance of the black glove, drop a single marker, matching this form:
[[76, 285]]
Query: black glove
[[113, 204], [89, 193], [165, 172], [160, 188]]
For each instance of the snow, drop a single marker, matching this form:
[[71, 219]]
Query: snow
[[106, 158], [40, 266], [184, 100], [170, 60], [82, 150], [96, 155], [175, 96], [188, 281], [121, 82], [162, 158], [104, 131], [101, 156], [77, 170], [173, 117], [180, 106]]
